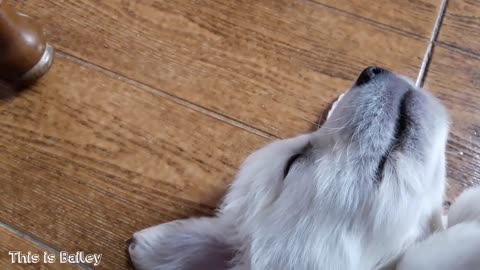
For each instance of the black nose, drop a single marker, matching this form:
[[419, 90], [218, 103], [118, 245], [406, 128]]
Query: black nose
[[368, 74]]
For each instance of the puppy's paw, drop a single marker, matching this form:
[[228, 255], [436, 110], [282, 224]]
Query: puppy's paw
[[182, 245], [147, 245], [455, 248], [465, 208], [458, 246]]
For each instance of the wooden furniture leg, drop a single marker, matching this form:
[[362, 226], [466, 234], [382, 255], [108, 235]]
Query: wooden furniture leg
[[25, 54]]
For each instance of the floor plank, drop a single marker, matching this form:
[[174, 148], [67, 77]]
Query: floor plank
[[86, 160], [417, 17], [461, 25], [455, 78], [10, 241], [283, 60]]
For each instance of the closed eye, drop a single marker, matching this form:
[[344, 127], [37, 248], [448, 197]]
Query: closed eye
[[289, 164]]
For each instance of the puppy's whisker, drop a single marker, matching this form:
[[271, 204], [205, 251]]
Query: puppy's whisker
[[338, 118], [317, 125], [320, 159], [337, 129]]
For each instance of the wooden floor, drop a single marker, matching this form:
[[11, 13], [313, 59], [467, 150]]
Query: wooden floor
[[151, 105]]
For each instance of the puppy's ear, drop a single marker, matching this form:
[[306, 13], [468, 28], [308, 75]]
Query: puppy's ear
[[197, 243]]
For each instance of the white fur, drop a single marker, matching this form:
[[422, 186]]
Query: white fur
[[458, 247], [336, 208]]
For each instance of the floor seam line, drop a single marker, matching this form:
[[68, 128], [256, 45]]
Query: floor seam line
[[37, 242], [456, 49], [164, 94], [431, 43], [370, 21]]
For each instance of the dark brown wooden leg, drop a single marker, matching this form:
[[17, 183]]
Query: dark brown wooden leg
[[25, 54]]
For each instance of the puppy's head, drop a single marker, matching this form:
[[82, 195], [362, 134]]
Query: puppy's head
[[354, 193], [357, 191]]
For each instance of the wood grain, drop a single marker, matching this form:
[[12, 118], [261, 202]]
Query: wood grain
[[417, 17], [272, 64], [461, 25], [86, 160], [87, 157], [455, 78], [10, 241]]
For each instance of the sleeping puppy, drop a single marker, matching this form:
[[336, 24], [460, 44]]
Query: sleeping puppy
[[355, 194]]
